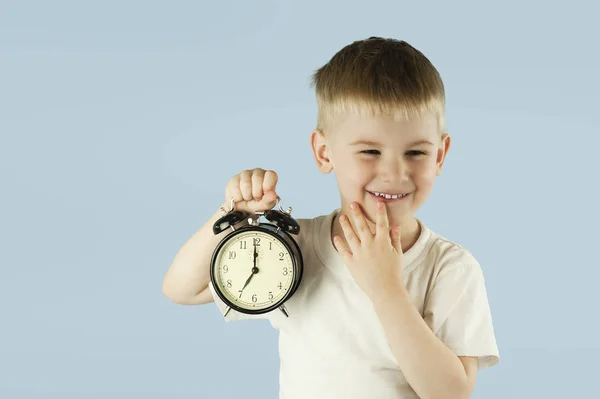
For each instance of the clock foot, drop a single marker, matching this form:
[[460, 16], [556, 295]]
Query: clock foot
[[227, 311], [284, 310]]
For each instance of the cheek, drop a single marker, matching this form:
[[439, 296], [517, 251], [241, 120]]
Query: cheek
[[352, 176], [424, 176], [353, 170]]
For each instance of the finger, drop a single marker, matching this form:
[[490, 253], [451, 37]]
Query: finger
[[351, 238], [233, 190], [362, 228], [382, 227], [269, 199], [270, 181], [396, 235], [269, 184], [246, 185], [257, 183], [341, 247]]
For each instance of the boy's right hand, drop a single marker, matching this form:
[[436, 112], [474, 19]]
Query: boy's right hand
[[252, 190]]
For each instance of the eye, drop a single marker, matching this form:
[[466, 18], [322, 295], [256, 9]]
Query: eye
[[415, 153], [371, 152]]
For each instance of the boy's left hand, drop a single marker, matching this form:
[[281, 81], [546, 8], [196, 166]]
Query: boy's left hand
[[375, 260]]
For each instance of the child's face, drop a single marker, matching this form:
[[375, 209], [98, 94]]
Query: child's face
[[380, 155]]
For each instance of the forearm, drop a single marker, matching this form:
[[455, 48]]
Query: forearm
[[189, 273], [429, 366]]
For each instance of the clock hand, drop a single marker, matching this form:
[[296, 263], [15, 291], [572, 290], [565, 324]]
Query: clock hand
[[254, 269], [247, 281]]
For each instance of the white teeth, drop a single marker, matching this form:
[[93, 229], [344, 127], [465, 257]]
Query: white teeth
[[389, 196]]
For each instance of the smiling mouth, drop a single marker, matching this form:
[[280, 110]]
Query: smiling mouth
[[387, 197]]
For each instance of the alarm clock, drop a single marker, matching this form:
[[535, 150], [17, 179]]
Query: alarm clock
[[257, 267]]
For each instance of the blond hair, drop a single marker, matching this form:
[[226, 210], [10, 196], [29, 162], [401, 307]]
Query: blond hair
[[379, 76]]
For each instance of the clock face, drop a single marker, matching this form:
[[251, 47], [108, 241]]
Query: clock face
[[254, 270]]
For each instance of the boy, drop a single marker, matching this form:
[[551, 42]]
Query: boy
[[387, 308]]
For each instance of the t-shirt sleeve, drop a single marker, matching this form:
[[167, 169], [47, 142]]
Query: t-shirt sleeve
[[232, 314], [458, 312]]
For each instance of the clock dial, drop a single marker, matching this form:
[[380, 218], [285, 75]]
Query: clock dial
[[249, 283]]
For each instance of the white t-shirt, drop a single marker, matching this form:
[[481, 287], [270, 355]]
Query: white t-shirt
[[333, 344]]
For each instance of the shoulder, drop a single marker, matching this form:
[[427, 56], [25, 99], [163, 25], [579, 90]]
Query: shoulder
[[444, 256], [315, 226]]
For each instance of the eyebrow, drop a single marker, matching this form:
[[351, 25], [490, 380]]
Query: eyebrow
[[374, 143]]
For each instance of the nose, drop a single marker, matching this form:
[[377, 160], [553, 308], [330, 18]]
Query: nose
[[391, 170]]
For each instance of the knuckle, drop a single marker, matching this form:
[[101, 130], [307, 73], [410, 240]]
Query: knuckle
[[382, 225], [257, 185], [257, 180], [245, 184], [271, 175], [245, 176]]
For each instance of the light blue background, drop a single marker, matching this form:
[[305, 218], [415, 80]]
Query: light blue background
[[121, 122]]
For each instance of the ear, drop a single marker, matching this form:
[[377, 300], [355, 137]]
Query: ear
[[442, 152], [321, 151]]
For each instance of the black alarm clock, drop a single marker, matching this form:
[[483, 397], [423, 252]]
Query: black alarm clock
[[256, 267]]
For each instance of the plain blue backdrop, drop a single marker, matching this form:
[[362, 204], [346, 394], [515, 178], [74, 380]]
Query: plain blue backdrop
[[122, 121]]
